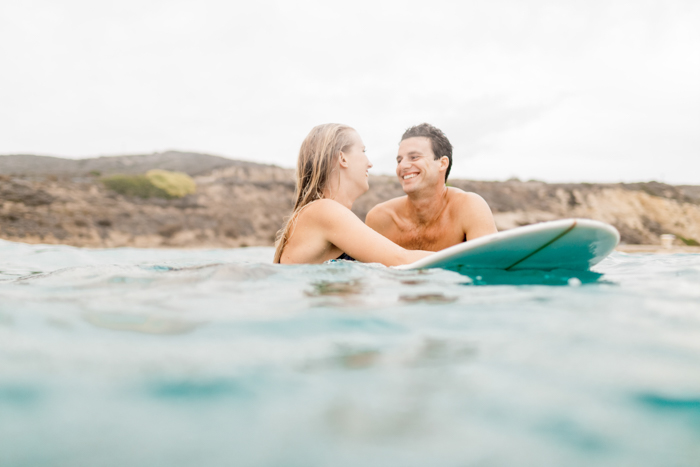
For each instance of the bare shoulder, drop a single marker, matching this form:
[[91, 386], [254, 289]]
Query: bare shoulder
[[472, 212], [466, 199], [388, 206], [382, 213], [324, 210], [322, 205]]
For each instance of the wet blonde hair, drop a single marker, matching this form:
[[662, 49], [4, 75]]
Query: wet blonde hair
[[317, 157]]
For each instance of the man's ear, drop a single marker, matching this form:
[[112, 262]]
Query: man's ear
[[444, 162], [342, 160]]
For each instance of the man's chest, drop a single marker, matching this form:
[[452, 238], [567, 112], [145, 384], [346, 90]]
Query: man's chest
[[432, 237]]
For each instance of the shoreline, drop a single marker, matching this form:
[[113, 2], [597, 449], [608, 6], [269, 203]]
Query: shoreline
[[238, 204], [627, 249], [657, 249]]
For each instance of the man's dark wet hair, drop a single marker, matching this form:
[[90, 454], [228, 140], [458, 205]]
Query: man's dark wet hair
[[440, 144]]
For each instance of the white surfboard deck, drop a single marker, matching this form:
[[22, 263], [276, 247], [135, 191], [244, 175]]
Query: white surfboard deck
[[574, 244]]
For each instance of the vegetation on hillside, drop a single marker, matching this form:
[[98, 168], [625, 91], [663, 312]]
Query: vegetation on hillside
[[153, 184], [51, 200]]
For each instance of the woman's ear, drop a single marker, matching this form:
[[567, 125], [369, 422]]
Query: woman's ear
[[343, 160]]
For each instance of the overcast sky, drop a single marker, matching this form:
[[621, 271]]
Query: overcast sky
[[555, 91]]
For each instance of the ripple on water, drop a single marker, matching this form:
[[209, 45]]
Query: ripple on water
[[216, 355]]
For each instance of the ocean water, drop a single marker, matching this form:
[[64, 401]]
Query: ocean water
[[129, 357]]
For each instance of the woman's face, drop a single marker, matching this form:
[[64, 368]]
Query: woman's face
[[358, 163]]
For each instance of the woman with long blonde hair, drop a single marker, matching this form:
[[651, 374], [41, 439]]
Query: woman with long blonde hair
[[332, 172]]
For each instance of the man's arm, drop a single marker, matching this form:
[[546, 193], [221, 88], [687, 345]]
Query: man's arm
[[476, 217]]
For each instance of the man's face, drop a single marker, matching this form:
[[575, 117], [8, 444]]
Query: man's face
[[416, 166]]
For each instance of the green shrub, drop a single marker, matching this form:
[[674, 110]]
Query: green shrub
[[155, 183], [688, 241], [133, 185], [175, 184]]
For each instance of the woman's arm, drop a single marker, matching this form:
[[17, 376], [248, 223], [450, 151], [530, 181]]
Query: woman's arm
[[341, 227]]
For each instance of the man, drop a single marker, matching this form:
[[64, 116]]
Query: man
[[431, 216]]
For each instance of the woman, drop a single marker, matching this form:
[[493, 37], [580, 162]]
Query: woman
[[332, 172]]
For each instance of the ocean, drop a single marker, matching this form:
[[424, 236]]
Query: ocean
[[152, 357]]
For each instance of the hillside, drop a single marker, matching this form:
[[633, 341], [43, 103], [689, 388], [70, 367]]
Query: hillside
[[45, 166], [53, 200]]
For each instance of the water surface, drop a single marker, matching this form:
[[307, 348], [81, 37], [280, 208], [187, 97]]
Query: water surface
[[178, 358]]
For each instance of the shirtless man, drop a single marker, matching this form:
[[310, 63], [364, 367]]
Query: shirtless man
[[431, 216]]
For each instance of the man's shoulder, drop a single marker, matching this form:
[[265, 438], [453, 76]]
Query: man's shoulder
[[472, 212], [387, 207], [468, 206], [382, 214], [464, 198]]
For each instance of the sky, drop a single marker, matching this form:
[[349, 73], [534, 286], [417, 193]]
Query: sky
[[594, 91]]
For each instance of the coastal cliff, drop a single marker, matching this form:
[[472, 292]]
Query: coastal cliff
[[237, 203]]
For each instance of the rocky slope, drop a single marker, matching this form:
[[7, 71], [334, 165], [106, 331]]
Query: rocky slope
[[53, 200]]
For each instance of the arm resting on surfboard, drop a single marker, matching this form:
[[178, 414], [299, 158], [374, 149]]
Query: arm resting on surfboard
[[341, 227]]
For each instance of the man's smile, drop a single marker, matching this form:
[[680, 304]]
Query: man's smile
[[411, 175]]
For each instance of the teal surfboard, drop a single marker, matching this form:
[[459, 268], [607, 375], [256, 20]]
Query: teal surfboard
[[573, 244]]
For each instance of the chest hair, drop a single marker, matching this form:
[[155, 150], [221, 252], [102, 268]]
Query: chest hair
[[432, 237]]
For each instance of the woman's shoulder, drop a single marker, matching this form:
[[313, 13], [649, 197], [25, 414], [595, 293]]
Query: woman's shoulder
[[322, 206], [323, 210]]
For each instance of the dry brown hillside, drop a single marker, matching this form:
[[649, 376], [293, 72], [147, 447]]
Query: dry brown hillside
[[53, 200]]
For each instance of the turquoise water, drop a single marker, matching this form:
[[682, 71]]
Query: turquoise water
[[219, 358]]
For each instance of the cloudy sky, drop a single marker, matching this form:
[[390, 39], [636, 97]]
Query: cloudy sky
[[555, 91]]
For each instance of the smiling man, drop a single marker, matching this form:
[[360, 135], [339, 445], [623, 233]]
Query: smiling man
[[431, 216]]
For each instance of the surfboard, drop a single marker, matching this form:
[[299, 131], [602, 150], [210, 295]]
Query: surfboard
[[573, 244]]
